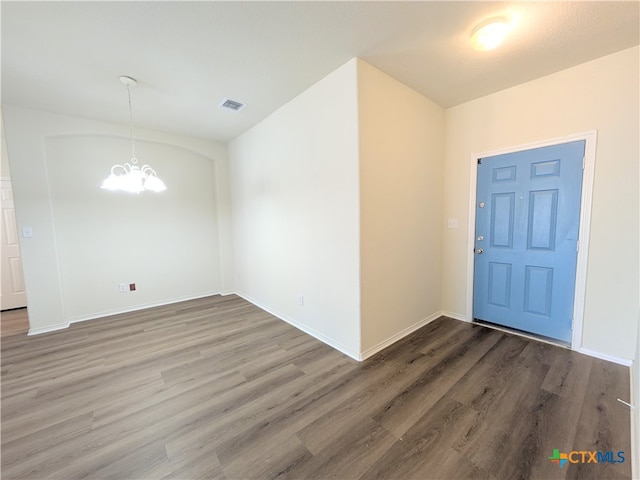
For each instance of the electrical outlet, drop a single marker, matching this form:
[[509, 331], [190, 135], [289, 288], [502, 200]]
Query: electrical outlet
[[123, 287]]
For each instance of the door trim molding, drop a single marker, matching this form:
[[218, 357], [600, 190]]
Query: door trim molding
[[590, 138]]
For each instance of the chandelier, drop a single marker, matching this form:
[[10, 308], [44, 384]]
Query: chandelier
[[129, 177]]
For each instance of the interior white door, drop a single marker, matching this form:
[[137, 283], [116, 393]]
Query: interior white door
[[13, 293]]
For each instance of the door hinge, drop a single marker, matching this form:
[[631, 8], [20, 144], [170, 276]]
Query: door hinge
[[577, 245], [479, 161], [584, 161]]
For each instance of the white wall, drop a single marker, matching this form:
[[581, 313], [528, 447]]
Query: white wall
[[318, 213], [86, 241], [223, 211], [635, 413], [5, 174], [401, 169], [600, 95], [295, 214]]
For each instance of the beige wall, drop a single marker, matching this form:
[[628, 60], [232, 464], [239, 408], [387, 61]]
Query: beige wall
[[86, 241], [600, 95], [401, 167], [294, 190]]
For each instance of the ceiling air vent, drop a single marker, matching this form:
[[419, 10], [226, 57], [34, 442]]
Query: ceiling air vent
[[232, 105]]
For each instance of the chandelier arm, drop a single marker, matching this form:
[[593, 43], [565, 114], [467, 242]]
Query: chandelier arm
[[115, 167]]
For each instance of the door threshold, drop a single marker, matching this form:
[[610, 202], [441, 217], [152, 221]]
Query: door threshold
[[13, 309], [522, 333]]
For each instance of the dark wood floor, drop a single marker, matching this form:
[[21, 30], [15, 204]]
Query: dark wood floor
[[14, 322], [217, 388]]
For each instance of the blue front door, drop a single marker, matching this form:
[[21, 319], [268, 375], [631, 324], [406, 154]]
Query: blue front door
[[527, 219]]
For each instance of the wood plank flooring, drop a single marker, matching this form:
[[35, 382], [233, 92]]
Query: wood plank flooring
[[217, 388], [14, 322]]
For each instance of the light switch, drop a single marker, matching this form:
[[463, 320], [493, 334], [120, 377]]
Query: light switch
[[452, 223], [27, 232]]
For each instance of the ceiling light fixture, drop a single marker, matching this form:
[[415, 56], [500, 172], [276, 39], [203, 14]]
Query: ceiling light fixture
[[490, 33], [129, 177]]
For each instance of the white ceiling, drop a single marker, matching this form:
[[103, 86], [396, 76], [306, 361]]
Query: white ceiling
[[187, 56]]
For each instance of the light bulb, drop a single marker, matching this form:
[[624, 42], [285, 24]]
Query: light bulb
[[488, 35]]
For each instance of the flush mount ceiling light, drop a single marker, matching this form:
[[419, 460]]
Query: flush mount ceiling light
[[129, 177], [490, 33]]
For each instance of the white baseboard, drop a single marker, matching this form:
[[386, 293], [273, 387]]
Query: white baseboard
[[310, 331], [48, 328], [603, 356], [108, 313], [369, 352], [337, 345], [455, 316], [135, 308]]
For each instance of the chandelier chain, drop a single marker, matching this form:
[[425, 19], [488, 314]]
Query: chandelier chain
[[134, 160]]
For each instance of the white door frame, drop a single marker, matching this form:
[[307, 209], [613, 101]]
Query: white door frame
[[9, 298], [590, 138]]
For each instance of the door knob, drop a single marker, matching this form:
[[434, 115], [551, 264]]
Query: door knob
[[479, 251]]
